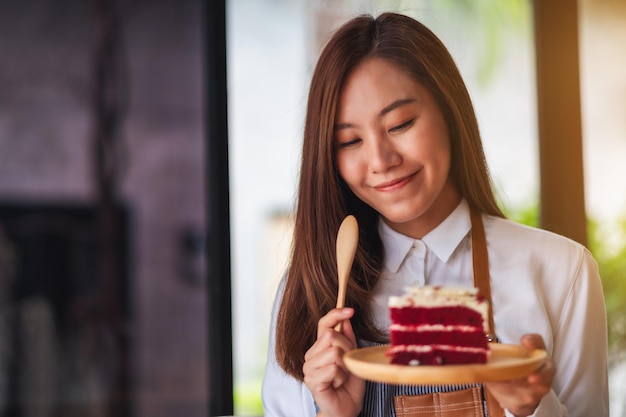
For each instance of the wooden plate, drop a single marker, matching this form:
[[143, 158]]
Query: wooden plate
[[505, 362]]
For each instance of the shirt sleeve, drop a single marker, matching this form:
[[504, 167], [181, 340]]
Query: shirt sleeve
[[580, 386], [580, 346], [282, 395]]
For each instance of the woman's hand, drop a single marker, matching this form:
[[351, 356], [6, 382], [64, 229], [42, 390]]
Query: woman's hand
[[336, 391], [522, 396]]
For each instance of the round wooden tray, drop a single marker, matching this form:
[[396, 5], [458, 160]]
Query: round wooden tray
[[505, 362]]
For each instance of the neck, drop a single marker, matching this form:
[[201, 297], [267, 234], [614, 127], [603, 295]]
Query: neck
[[446, 202]]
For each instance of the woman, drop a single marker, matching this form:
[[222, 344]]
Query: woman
[[391, 137]]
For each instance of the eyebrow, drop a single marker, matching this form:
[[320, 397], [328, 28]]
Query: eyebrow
[[395, 105], [384, 111]]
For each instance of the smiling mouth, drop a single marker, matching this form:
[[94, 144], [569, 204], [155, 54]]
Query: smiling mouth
[[395, 183]]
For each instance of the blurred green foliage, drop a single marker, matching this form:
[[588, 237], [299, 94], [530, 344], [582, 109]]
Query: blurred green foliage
[[247, 399], [608, 246], [490, 23]]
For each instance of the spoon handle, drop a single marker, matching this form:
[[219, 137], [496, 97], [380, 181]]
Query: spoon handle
[[347, 240]]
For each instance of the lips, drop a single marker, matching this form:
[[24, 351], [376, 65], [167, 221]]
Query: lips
[[395, 184]]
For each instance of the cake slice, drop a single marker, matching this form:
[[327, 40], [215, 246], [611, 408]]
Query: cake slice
[[438, 326]]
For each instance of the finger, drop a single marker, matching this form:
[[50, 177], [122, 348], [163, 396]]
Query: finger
[[332, 318], [348, 332], [318, 359], [328, 341], [533, 341], [544, 375], [326, 368], [331, 346], [325, 377]]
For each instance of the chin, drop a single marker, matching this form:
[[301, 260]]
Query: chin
[[403, 218]]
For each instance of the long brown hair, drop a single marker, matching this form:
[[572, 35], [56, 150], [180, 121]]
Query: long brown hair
[[324, 199]]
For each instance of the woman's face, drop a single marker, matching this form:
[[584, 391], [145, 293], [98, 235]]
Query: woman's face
[[393, 147]]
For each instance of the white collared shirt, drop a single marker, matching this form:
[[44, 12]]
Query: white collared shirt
[[540, 283]]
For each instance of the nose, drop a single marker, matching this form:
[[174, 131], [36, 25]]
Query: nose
[[383, 155]]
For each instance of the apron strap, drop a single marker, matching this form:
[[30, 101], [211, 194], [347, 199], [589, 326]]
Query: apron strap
[[480, 262]]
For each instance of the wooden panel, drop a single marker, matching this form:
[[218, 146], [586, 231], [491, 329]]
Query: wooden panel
[[559, 118]]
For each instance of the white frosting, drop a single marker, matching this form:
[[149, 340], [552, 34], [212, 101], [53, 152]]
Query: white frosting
[[430, 296], [430, 348], [431, 328]]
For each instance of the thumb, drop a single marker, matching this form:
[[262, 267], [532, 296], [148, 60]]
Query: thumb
[[533, 341]]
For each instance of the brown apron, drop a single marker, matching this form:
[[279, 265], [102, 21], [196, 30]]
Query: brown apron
[[467, 402]]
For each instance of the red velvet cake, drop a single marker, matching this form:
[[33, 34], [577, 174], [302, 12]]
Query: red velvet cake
[[438, 326]]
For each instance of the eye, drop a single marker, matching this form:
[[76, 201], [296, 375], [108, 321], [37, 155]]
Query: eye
[[348, 143], [402, 126]]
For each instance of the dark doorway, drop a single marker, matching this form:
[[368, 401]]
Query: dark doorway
[[65, 321]]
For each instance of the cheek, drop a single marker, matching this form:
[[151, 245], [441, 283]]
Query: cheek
[[436, 151], [444, 152], [348, 169]]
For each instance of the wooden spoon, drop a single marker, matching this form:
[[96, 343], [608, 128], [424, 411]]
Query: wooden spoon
[[347, 239]]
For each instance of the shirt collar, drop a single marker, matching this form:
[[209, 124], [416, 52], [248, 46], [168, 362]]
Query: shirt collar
[[442, 240]]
